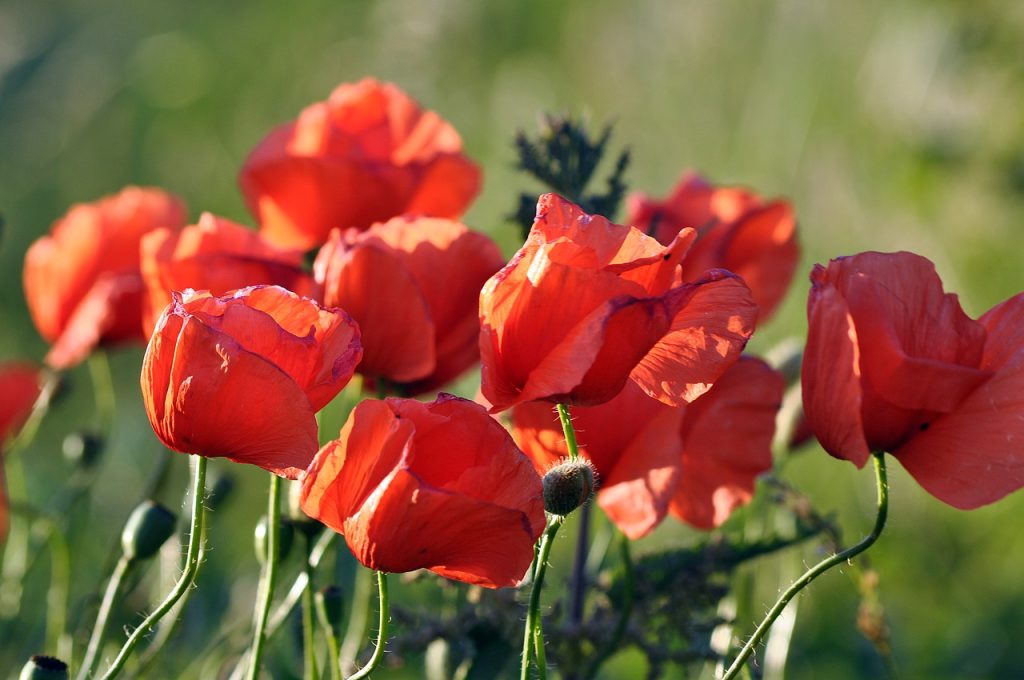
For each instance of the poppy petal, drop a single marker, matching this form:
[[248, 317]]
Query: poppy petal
[[708, 333]]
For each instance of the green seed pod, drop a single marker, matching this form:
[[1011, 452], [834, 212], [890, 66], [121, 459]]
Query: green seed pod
[[41, 667], [332, 601], [285, 534], [82, 448], [567, 486], [148, 528]]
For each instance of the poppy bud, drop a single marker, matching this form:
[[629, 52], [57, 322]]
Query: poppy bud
[[567, 486], [82, 448], [148, 527], [331, 601], [285, 533], [293, 507], [41, 667]]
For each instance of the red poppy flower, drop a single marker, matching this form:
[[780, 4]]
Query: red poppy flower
[[216, 255], [82, 282], [894, 364], [736, 230], [587, 304], [242, 376], [413, 285], [367, 154], [19, 389], [698, 461], [438, 486]]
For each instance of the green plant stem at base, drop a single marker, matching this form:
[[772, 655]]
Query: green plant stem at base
[[57, 595], [361, 594], [308, 637], [269, 576], [382, 629], [99, 631], [627, 609], [533, 633], [333, 658], [188, 575], [819, 569]]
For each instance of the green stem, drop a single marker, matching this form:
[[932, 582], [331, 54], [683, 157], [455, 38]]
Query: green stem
[[99, 631], [188, 575], [295, 594], [308, 639], [333, 658], [569, 431], [533, 634], [361, 594], [57, 595], [627, 608], [382, 629], [819, 569], [269, 576]]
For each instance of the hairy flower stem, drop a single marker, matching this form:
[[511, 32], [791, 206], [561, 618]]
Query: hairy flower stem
[[99, 631], [382, 629], [533, 633], [361, 595], [269, 576], [817, 570], [187, 577], [569, 431]]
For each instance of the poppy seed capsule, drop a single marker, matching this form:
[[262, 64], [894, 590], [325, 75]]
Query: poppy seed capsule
[[567, 486], [148, 527], [41, 667]]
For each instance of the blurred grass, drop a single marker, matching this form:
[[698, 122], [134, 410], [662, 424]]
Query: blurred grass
[[890, 125]]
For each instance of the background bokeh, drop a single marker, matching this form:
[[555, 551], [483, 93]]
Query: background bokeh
[[889, 124]]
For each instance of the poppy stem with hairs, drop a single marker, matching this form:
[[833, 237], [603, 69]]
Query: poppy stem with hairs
[[569, 431], [188, 575], [533, 633], [269, 576], [819, 569], [382, 629]]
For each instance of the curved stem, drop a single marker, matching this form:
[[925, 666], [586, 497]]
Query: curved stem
[[361, 595], [533, 633], [819, 569], [627, 608], [99, 631], [188, 575], [269, 576], [308, 638], [569, 431], [295, 594], [57, 595], [382, 629]]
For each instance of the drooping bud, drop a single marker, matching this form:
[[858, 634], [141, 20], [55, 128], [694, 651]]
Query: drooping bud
[[331, 601], [285, 534], [148, 528], [82, 448], [568, 485], [41, 667]]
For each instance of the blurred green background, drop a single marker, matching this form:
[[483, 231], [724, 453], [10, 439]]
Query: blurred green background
[[889, 124]]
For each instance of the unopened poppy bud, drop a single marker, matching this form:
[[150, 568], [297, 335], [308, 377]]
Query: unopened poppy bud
[[331, 601], [300, 520], [41, 667], [285, 533], [567, 486], [82, 448], [148, 528]]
